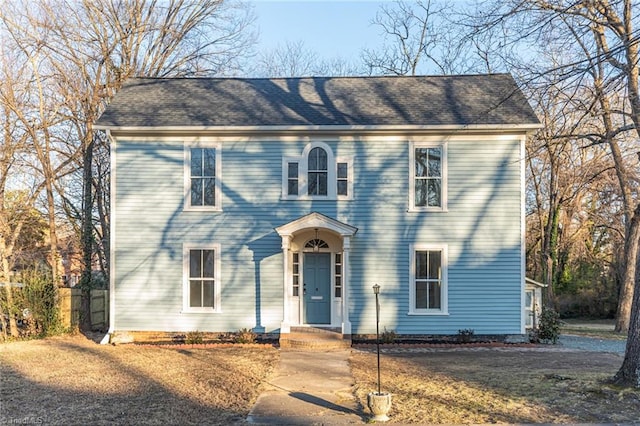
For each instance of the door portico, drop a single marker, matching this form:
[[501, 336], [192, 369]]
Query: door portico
[[315, 252]]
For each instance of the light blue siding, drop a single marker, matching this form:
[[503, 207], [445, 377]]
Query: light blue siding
[[482, 230]]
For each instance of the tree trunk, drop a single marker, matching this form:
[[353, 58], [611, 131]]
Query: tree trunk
[[629, 373], [87, 236], [629, 280]]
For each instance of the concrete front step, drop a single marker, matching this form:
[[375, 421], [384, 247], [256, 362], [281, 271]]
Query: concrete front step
[[313, 338]]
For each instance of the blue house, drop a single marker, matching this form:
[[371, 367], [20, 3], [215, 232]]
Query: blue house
[[276, 203]]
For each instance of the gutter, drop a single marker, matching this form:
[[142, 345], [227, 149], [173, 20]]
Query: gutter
[[343, 129]]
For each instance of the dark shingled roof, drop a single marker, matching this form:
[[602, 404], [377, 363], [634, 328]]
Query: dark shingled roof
[[492, 99]]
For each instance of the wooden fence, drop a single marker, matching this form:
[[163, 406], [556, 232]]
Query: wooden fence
[[70, 303]]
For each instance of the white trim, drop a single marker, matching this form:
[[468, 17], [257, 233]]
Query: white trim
[[332, 172], [523, 233], [444, 301], [196, 143], [112, 237], [526, 127], [217, 305], [349, 162], [412, 179]]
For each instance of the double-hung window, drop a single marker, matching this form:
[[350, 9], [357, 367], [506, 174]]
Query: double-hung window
[[428, 280], [201, 287], [428, 179], [202, 177], [317, 175]]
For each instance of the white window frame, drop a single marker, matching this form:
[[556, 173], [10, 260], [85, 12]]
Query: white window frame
[[188, 145], [413, 145], [217, 305], [444, 290], [332, 174]]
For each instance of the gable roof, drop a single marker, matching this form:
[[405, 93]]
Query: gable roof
[[398, 101]]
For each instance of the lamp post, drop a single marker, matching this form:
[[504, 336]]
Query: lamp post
[[376, 291], [379, 403]]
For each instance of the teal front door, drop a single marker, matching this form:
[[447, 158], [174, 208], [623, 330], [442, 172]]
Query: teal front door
[[317, 288]]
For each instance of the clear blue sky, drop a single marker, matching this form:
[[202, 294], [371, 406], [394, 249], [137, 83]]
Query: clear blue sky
[[331, 28]]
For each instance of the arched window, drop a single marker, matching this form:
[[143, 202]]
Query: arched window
[[317, 171], [317, 174], [316, 243]]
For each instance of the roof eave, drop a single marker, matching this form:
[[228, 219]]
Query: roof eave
[[369, 129]]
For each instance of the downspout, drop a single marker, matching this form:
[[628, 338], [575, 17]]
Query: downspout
[[112, 238]]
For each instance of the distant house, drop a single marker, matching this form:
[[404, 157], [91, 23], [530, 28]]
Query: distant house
[[273, 203]]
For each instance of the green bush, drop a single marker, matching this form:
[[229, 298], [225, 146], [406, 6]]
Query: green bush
[[35, 305], [194, 337], [548, 327]]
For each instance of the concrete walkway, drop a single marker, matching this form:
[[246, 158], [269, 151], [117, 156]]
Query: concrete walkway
[[309, 388]]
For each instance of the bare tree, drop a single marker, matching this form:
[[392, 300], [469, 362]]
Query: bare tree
[[294, 59], [89, 48], [601, 48], [414, 39]]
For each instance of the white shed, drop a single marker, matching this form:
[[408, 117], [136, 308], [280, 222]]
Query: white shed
[[533, 302]]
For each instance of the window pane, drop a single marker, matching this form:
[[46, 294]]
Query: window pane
[[322, 159], [434, 295], [342, 170], [435, 260], [293, 170], [421, 295], [296, 268], [317, 159], [421, 162], [322, 184], [434, 192], [196, 162], [195, 264], [209, 192], [208, 261], [209, 162], [421, 193], [313, 184], [421, 264], [207, 293], [338, 281], [196, 192], [292, 187], [312, 162], [435, 156], [338, 257], [195, 296], [296, 257], [342, 187]]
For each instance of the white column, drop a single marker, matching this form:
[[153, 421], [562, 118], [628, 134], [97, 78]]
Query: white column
[[346, 323], [285, 325]]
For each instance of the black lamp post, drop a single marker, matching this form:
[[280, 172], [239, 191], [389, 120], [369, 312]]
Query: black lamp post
[[376, 291]]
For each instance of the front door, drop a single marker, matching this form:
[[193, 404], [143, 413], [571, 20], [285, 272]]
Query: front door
[[317, 288]]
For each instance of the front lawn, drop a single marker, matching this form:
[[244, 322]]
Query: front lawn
[[72, 380]]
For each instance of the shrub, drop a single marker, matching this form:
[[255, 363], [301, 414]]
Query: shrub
[[36, 305], [548, 327], [194, 337], [465, 335], [245, 335], [388, 336]]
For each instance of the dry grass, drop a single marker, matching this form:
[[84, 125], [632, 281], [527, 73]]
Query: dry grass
[[602, 329], [492, 386], [72, 380]]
